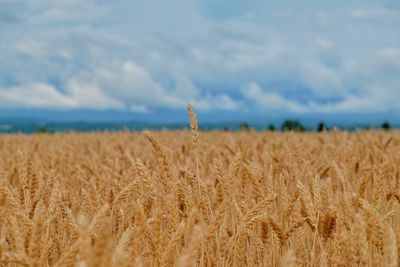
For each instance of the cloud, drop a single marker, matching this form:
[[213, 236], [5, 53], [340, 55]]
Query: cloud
[[125, 87], [37, 95], [137, 85], [324, 43], [377, 15], [88, 95], [30, 47], [374, 100], [325, 57], [270, 100], [389, 58], [41, 95], [137, 88], [216, 103], [322, 80]]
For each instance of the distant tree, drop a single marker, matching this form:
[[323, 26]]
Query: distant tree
[[292, 125], [321, 127], [271, 128], [44, 130], [386, 126], [225, 129], [244, 126]]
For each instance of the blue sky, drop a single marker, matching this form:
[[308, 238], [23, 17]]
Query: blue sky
[[226, 57]]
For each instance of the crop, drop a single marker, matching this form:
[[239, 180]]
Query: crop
[[190, 198]]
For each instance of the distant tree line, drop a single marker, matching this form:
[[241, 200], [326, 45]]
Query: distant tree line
[[296, 126], [286, 126]]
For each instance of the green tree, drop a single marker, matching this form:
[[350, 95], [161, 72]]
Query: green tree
[[271, 128], [244, 126], [386, 126], [292, 125], [321, 127], [44, 130]]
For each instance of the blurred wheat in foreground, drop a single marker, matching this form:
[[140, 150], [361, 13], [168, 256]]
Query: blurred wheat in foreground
[[200, 199]]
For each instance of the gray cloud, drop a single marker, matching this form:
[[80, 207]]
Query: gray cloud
[[342, 55]]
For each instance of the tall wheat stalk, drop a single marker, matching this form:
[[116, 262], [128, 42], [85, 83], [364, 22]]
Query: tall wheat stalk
[[194, 126]]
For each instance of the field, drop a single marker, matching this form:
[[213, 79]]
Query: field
[[190, 198]]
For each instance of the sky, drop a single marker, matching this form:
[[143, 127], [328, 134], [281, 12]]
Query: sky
[[224, 57]]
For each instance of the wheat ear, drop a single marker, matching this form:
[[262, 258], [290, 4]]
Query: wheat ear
[[194, 126]]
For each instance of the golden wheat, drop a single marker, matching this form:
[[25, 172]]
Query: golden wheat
[[184, 198]]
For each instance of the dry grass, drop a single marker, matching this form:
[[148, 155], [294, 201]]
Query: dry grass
[[208, 199]]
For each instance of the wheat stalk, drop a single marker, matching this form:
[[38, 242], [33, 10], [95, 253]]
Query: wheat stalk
[[194, 127]]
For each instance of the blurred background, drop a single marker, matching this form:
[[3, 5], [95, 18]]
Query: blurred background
[[96, 65]]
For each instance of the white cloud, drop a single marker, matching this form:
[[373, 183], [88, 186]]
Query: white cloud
[[184, 87], [375, 99], [41, 95], [270, 100], [30, 47], [322, 80], [127, 86], [38, 95], [235, 56], [134, 86], [90, 96], [214, 103], [389, 58], [324, 43], [377, 14]]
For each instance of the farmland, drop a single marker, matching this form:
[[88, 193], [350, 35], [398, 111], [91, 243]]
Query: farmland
[[189, 198]]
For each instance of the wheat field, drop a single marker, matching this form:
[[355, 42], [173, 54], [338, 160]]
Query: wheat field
[[190, 198]]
